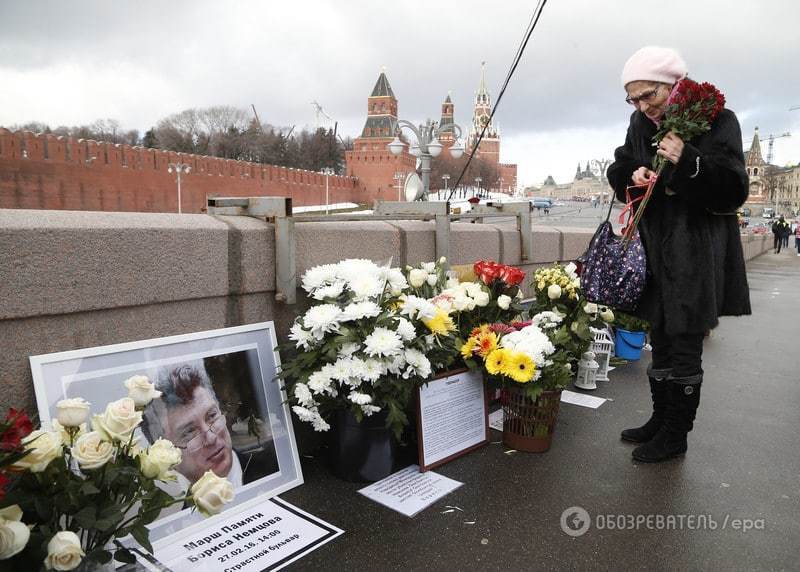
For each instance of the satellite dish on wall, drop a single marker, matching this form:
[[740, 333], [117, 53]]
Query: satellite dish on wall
[[413, 188]]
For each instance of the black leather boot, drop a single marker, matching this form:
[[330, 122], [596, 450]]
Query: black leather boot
[[659, 391], [670, 441]]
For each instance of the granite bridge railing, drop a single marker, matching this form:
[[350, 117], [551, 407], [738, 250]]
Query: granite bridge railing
[[73, 279]]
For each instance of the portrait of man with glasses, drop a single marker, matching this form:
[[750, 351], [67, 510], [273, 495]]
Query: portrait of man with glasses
[[190, 414]]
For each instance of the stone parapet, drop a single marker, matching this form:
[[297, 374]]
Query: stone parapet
[[76, 279]]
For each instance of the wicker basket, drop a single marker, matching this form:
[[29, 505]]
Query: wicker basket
[[529, 425]]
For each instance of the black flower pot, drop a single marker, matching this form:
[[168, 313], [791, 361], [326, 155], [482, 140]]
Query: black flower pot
[[361, 452]]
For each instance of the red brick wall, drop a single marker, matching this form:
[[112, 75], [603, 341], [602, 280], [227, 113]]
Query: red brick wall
[[373, 166], [49, 172]]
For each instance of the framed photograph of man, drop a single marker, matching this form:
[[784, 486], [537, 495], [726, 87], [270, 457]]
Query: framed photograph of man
[[220, 403]]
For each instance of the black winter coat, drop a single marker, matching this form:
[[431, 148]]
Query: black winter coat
[[696, 269]]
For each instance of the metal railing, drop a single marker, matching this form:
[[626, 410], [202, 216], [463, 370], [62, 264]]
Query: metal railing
[[279, 211]]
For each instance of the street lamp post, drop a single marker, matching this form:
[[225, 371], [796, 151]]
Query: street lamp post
[[179, 168], [399, 176], [327, 171], [478, 182], [500, 180], [601, 165], [445, 178], [427, 145]]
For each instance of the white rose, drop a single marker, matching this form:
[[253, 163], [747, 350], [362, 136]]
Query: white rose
[[590, 308], [432, 279], [504, 301], [607, 315], [159, 459], [417, 277], [429, 266], [64, 551], [72, 412], [141, 390], [211, 492], [482, 298], [554, 292], [92, 451], [118, 420], [45, 445], [14, 533], [65, 437]]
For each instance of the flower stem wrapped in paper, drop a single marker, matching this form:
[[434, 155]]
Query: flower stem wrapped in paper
[[75, 491], [369, 339]]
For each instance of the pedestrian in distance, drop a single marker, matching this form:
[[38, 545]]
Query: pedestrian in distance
[[797, 237], [695, 263], [780, 228]]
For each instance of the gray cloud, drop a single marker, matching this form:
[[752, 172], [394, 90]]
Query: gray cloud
[[138, 61]]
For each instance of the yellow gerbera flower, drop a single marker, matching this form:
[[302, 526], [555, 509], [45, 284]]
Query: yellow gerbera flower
[[468, 348], [519, 367], [440, 324], [495, 361], [486, 343]]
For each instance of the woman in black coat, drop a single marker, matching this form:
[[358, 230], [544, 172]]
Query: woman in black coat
[[696, 269]]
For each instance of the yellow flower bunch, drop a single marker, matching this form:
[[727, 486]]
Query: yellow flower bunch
[[556, 275], [441, 324], [516, 365]]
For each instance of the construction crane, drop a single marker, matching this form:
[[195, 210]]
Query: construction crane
[[320, 112], [771, 143]]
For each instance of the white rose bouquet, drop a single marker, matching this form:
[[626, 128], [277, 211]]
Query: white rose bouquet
[[364, 345], [69, 492]]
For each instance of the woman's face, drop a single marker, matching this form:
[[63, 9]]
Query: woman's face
[[649, 97]]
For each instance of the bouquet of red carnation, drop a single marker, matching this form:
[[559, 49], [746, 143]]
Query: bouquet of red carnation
[[488, 272], [691, 108]]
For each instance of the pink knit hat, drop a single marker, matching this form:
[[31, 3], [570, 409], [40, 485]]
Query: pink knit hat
[[653, 63]]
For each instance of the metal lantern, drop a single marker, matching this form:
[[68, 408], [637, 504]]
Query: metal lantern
[[603, 347], [587, 372]]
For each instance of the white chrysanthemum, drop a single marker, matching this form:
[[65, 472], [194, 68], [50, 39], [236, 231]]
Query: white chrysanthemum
[[359, 398], [353, 267], [546, 320], [417, 308], [360, 310], [416, 364], [322, 319], [349, 349], [443, 302], [463, 303], [373, 370], [319, 276], [395, 279], [396, 364], [311, 415], [341, 369], [369, 409], [357, 371], [303, 395], [332, 291], [406, 329], [383, 342], [365, 287], [320, 381], [301, 338], [531, 341]]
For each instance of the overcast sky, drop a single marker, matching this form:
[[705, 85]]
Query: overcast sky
[[67, 63]]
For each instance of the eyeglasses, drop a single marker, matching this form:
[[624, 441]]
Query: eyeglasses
[[193, 439], [647, 97]]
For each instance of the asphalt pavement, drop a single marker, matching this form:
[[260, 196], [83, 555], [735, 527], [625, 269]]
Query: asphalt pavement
[[732, 503]]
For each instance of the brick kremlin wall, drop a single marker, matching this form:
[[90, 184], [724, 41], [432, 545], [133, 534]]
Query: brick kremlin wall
[[40, 171]]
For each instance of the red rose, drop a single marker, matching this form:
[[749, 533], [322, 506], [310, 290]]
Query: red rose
[[4, 480], [512, 275], [19, 427]]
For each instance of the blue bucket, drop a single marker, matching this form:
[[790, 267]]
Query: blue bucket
[[628, 345]]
